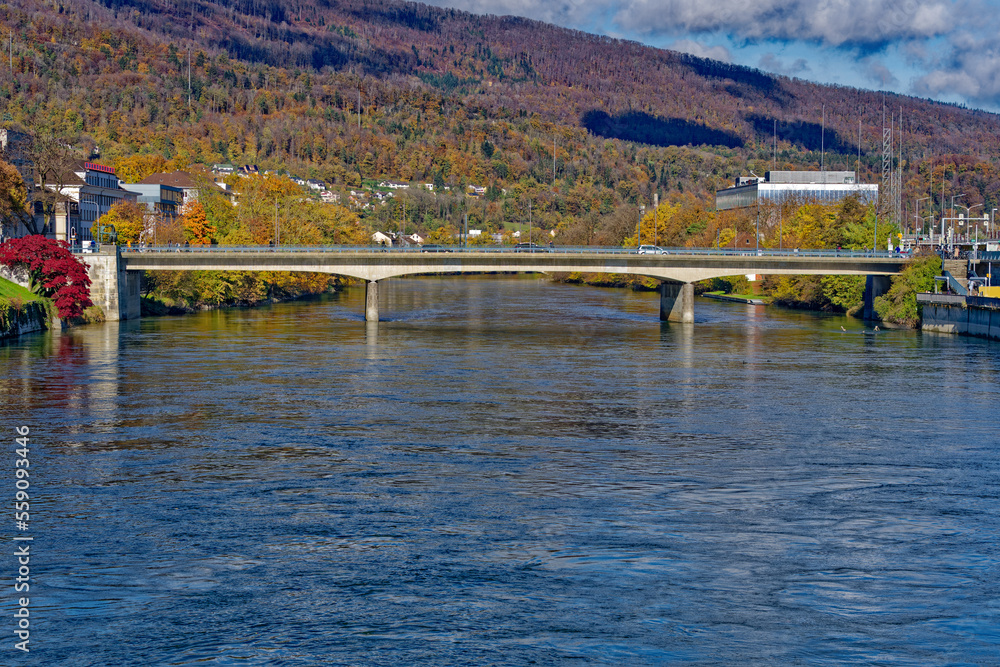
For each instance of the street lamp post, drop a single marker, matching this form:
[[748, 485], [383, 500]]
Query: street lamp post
[[991, 224], [638, 226], [757, 224], [968, 214], [919, 221], [529, 223], [656, 205], [953, 198]]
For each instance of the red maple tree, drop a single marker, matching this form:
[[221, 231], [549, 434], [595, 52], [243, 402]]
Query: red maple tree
[[53, 271]]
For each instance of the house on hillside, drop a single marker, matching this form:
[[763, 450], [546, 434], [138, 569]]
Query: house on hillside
[[393, 185]]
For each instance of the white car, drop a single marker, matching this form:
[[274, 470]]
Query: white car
[[651, 250]]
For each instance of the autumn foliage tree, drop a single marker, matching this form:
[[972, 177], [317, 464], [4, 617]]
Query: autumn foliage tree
[[194, 222], [13, 198], [53, 271], [128, 219]]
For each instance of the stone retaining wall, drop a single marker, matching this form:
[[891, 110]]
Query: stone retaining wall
[[965, 316], [32, 318]]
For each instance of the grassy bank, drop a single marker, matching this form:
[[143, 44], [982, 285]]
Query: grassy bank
[[16, 303]]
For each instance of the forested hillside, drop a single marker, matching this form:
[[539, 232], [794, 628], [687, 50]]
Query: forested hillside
[[353, 90]]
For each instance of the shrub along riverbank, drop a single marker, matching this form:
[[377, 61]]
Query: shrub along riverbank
[[178, 292], [848, 224], [833, 294]]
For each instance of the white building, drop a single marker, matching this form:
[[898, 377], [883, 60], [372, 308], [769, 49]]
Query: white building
[[87, 192], [780, 186]]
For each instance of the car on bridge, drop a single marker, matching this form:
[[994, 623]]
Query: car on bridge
[[434, 247], [651, 250], [530, 247]]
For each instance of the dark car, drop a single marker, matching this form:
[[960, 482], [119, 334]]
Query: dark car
[[530, 247], [434, 247]]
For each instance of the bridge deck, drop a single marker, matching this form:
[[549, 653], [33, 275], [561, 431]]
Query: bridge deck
[[373, 264]]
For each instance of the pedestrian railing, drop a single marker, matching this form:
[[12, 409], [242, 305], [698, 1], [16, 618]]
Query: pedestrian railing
[[542, 250]]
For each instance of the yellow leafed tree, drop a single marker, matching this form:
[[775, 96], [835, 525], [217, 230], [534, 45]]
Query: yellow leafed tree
[[134, 168], [128, 219]]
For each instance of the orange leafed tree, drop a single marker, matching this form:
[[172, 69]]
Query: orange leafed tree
[[197, 231]]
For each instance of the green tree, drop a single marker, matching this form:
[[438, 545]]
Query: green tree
[[899, 304]]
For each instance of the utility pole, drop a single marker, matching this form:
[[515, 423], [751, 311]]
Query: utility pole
[[857, 175], [757, 226], [774, 162], [822, 145]]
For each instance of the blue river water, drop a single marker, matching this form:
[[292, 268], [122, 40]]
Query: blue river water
[[505, 471]]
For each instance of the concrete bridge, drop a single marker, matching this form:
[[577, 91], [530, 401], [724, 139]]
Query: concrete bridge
[[677, 269]]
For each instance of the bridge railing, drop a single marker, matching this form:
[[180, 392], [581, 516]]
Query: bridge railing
[[542, 250]]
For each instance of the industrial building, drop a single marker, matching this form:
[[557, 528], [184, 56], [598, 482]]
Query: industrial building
[[781, 186]]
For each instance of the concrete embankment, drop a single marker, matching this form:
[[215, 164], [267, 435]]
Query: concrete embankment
[[962, 315], [29, 319]]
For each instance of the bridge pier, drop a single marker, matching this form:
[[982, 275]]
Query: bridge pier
[[875, 286], [371, 301], [112, 287], [677, 302]]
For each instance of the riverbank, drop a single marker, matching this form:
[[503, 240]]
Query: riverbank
[[738, 298], [185, 292], [21, 311], [153, 307]]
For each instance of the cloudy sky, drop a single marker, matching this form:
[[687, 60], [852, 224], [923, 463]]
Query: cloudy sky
[[942, 49]]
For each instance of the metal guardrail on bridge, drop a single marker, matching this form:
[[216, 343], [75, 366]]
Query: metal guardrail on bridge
[[566, 250]]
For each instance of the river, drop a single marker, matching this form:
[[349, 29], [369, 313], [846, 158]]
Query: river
[[504, 471]]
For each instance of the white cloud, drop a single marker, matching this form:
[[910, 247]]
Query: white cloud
[[829, 22], [947, 48], [702, 51], [865, 23], [971, 70], [877, 73], [771, 63]]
